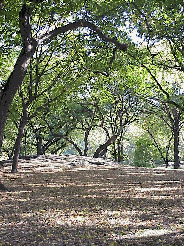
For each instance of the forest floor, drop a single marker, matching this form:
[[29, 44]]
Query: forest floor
[[69, 200]]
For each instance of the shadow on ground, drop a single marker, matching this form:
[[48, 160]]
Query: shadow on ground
[[92, 205]]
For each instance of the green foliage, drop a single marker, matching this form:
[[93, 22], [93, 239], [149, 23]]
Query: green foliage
[[78, 69], [145, 152]]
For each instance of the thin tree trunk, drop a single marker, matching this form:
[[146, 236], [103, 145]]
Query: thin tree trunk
[[86, 141], [176, 149], [119, 151], [108, 142], [75, 146], [114, 151], [167, 152], [25, 143], [39, 146], [18, 141], [166, 162], [165, 159], [104, 146], [176, 129]]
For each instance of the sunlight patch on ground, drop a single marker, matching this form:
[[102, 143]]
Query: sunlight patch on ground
[[85, 218], [148, 233], [90, 206], [156, 189], [143, 233]]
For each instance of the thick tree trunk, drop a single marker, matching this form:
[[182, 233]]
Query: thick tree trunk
[[17, 145], [20, 68], [12, 86], [25, 143]]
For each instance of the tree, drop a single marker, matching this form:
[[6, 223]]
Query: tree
[[110, 108], [154, 20], [160, 133], [121, 107], [34, 98], [78, 114], [174, 117], [29, 45], [169, 118], [140, 15], [145, 152]]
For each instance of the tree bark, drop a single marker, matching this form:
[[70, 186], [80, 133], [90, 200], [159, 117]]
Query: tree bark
[[120, 150], [20, 68], [25, 143], [166, 162], [17, 145], [114, 151], [39, 146], [70, 141], [103, 147], [75, 145], [86, 141], [176, 129]]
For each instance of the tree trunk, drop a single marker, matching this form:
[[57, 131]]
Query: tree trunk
[[39, 146], [176, 148], [166, 162], [12, 86], [25, 143], [120, 150], [103, 147], [20, 68], [114, 151], [17, 145], [167, 152], [176, 129], [165, 159], [86, 141], [75, 146]]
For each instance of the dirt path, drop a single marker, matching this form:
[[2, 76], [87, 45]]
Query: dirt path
[[81, 201]]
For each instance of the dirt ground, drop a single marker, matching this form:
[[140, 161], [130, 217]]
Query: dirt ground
[[68, 200]]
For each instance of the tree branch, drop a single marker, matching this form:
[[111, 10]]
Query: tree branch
[[25, 27], [82, 23], [1, 4]]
